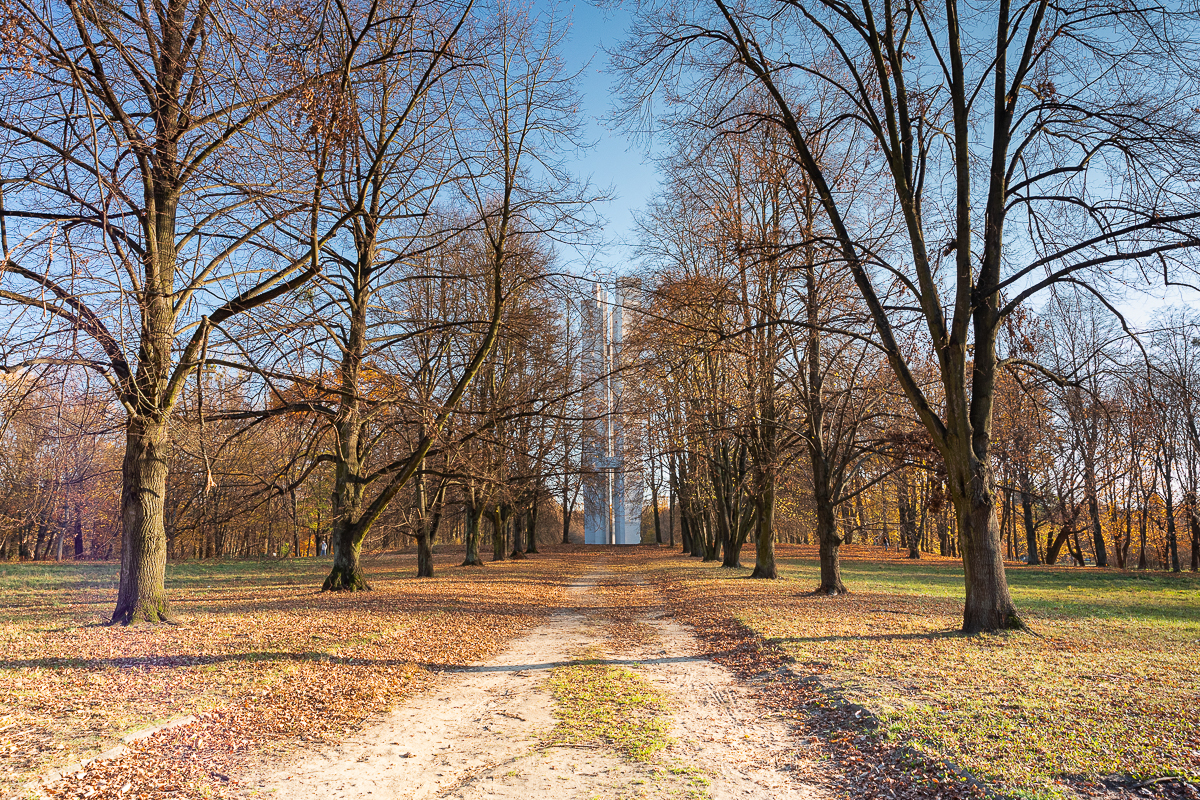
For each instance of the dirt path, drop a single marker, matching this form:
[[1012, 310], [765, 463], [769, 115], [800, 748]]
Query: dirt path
[[479, 734]]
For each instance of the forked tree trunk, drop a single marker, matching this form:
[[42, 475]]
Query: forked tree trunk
[[708, 542], [988, 605], [731, 552], [142, 596], [764, 550]]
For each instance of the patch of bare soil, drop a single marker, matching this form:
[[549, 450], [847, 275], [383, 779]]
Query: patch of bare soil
[[482, 732]]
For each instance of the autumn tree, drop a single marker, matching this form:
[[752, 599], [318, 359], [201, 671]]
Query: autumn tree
[[1081, 177], [136, 225]]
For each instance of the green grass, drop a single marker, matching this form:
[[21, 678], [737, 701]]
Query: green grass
[[1107, 686], [611, 705]]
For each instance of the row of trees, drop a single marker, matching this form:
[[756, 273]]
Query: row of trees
[[325, 212], [308, 250], [953, 167]]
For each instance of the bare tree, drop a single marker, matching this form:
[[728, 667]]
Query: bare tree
[[1083, 176], [151, 155]]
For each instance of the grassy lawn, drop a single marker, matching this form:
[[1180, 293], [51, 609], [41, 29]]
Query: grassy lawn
[[599, 702], [1108, 687], [258, 646]]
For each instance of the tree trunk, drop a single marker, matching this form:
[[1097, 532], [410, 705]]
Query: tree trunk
[[346, 538], [142, 594], [424, 555], [1172, 538], [908, 521], [518, 527], [1031, 541], [988, 605], [78, 523], [1194, 525], [531, 529], [658, 538], [346, 574], [38, 552], [764, 550], [1094, 512], [566, 512], [474, 513], [829, 542], [498, 519], [671, 516]]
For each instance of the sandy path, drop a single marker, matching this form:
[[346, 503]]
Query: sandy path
[[476, 736]]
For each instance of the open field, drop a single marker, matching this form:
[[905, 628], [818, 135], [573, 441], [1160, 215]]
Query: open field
[[1103, 696], [259, 647], [1108, 688]]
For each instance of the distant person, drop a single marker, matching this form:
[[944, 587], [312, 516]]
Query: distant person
[[324, 546]]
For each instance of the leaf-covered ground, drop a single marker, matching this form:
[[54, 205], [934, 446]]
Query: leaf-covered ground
[[1104, 696], [266, 659], [1103, 699]]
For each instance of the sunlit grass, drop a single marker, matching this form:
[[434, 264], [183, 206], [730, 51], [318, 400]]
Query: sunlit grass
[[1107, 686], [609, 704]]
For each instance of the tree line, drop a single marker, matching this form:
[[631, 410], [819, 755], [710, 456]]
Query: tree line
[[296, 266]]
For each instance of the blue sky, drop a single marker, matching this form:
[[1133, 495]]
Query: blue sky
[[622, 165], [615, 161]]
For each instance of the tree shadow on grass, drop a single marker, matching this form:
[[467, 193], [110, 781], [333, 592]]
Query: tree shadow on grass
[[870, 637], [312, 656]]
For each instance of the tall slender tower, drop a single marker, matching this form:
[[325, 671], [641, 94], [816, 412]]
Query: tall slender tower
[[612, 488]]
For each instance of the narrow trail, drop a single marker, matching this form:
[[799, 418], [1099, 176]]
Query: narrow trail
[[478, 735]]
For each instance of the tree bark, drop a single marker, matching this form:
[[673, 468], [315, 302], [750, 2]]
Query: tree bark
[[531, 529], [829, 544], [498, 519], [78, 523], [518, 527], [671, 516], [346, 575], [424, 555], [474, 513], [1094, 512], [1031, 542], [1172, 538], [764, 550], [908, 522], [142, 594], [988, 605]]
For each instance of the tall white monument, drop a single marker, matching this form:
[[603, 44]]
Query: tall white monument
[[612, 483]]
